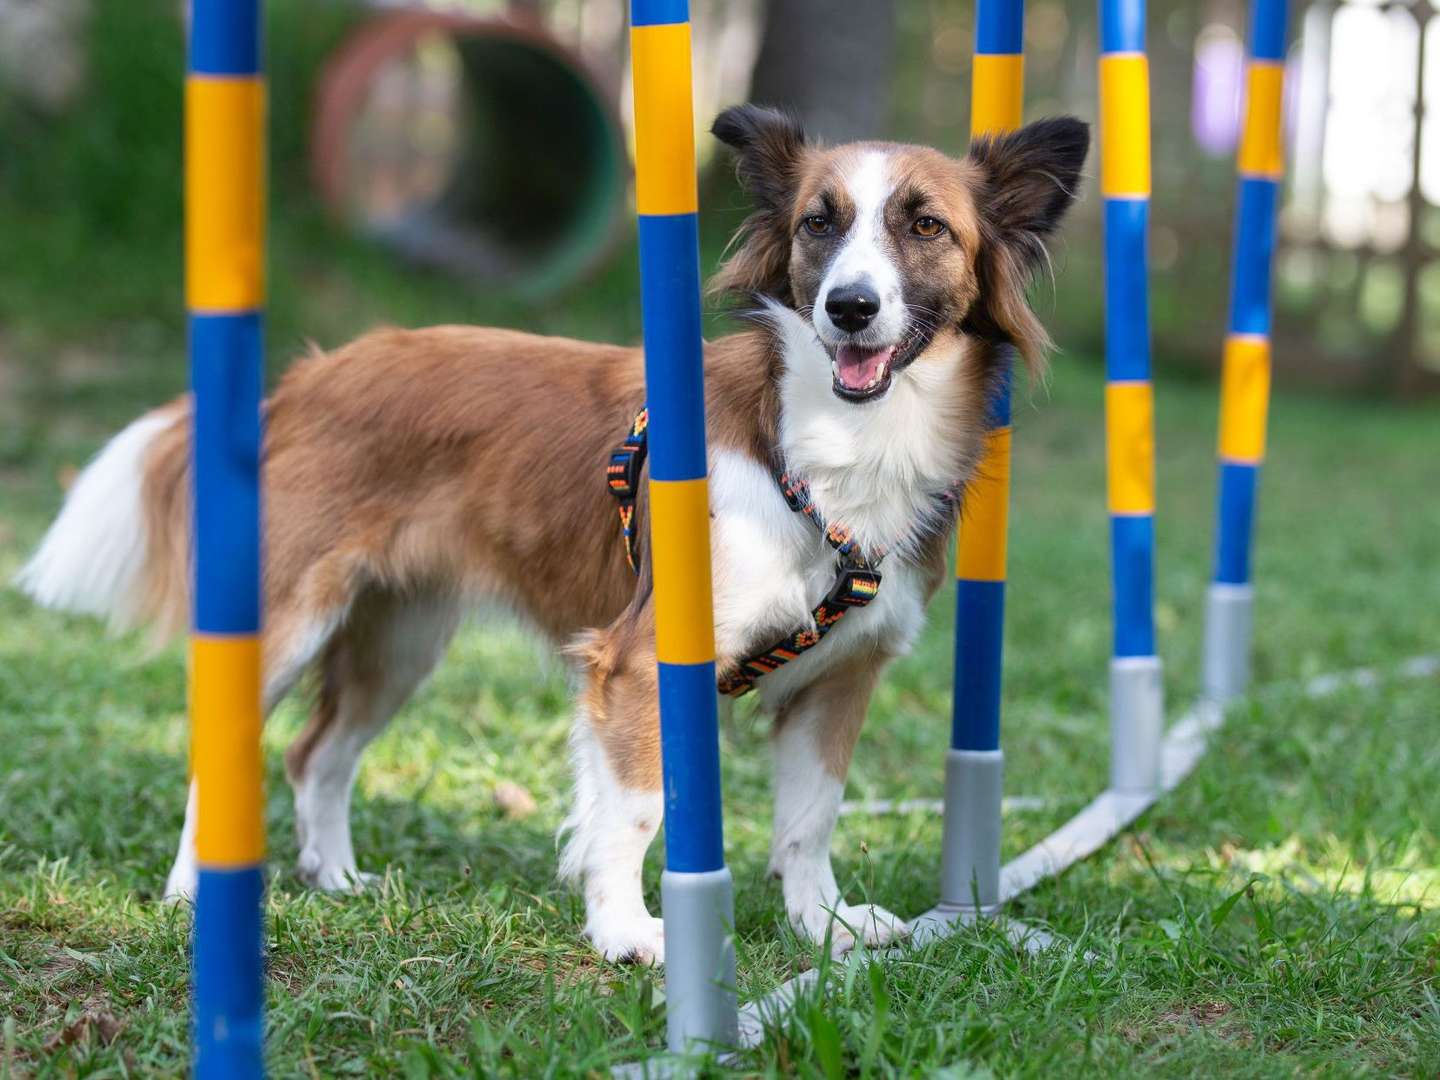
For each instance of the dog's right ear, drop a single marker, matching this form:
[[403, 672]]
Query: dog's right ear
[[769, 146]]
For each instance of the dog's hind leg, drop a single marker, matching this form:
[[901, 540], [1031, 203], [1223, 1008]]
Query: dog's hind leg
[[618, 806], [290, 647], [385, 649]]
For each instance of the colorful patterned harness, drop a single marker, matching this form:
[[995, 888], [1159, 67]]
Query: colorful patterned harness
[[623, 476], [857, 579]]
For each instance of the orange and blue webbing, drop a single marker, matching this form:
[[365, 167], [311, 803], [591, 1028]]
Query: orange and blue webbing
[[1129, 395], [1245, 378], [997, 100], [667, 200], [224, 258]]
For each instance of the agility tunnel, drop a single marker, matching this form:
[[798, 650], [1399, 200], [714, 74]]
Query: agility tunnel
[[477, 146]]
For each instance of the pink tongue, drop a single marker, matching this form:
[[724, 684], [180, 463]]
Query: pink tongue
[[858, 367]]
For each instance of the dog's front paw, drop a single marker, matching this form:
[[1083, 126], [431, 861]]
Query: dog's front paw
[[851, 925], [635, 940], [180, 886], [332, 876]]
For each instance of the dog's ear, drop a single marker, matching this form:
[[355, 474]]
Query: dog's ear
[[769, 146], [1028, 179]]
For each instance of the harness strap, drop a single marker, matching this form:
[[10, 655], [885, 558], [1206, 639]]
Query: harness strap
[[854, 588], [857, 579], [623, 476]]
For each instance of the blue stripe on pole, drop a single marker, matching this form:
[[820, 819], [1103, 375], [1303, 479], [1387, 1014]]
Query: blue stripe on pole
[[659, 12], [1132, 554], [1000, 27], [1127, 304], [1267, 29], [1254, 245], [690, 750], [1236, 516], [1122, 26], [674, 380], [997, 415], [979, 642], [229, 974], [225, 37], [226, 376]]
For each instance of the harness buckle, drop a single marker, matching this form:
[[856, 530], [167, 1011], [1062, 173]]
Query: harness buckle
[[623, 472], [855, 586]]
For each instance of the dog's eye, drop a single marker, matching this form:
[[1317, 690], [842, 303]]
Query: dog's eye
[[817, 224], [928, 227]]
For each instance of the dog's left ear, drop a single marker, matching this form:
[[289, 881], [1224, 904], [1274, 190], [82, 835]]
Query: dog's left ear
[[769, 146], [1029, 178]]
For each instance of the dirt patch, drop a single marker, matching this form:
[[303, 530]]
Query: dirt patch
[[94, 1023], [1207, 1015], [1213, 1016]]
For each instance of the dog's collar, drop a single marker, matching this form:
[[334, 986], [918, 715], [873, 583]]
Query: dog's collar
[[857, 579]]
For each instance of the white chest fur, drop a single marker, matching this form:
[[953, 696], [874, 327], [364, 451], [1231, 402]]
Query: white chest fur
[[772, 567], [878, 466], [875, 468]]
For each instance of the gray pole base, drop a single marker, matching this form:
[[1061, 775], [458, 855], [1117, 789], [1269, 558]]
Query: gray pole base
[[699, 910], [1137, 723], [970, 843], [1229, 612]]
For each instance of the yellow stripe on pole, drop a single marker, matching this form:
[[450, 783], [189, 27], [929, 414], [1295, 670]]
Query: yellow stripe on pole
[[225, 749], [664, 124], [981, 545], [1261, 149], [1124, 125], [1130, 447], [680, 556], [1244, 397], [224, 193], [997, 97]]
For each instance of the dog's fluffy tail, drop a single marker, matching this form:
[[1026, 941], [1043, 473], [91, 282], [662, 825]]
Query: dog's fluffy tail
[[120, 548]]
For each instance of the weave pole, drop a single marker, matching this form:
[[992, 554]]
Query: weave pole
[[224, 261], [1245, 373], [975, 764], [1136, 703], [697, 894]]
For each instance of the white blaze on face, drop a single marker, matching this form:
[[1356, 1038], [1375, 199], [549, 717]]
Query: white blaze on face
[[866, 257]]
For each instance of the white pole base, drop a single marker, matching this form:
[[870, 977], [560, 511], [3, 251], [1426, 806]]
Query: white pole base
[[970, 843], [1229, 616], [1137, 723], [700, 1008]]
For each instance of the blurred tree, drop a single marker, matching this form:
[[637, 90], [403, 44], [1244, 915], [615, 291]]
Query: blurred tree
[[830, 61], [42, 52]]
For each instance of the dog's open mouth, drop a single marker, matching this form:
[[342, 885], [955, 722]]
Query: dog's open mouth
[[861, 374]]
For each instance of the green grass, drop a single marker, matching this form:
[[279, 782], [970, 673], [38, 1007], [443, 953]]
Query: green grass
[[1276, 915]]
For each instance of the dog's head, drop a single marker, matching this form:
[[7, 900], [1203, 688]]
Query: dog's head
[[889, 250]]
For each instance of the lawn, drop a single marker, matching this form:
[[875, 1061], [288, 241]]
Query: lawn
[[1276, 915]]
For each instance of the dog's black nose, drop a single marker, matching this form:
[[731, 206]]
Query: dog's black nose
[[851, 307]]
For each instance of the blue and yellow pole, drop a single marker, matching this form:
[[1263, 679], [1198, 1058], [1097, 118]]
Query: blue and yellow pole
[[975, 764], [696, 888], [1136, 704], [224, 284], [1245, 377]]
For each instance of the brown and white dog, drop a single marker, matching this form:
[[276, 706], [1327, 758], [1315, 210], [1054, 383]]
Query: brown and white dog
[[412, 475]]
